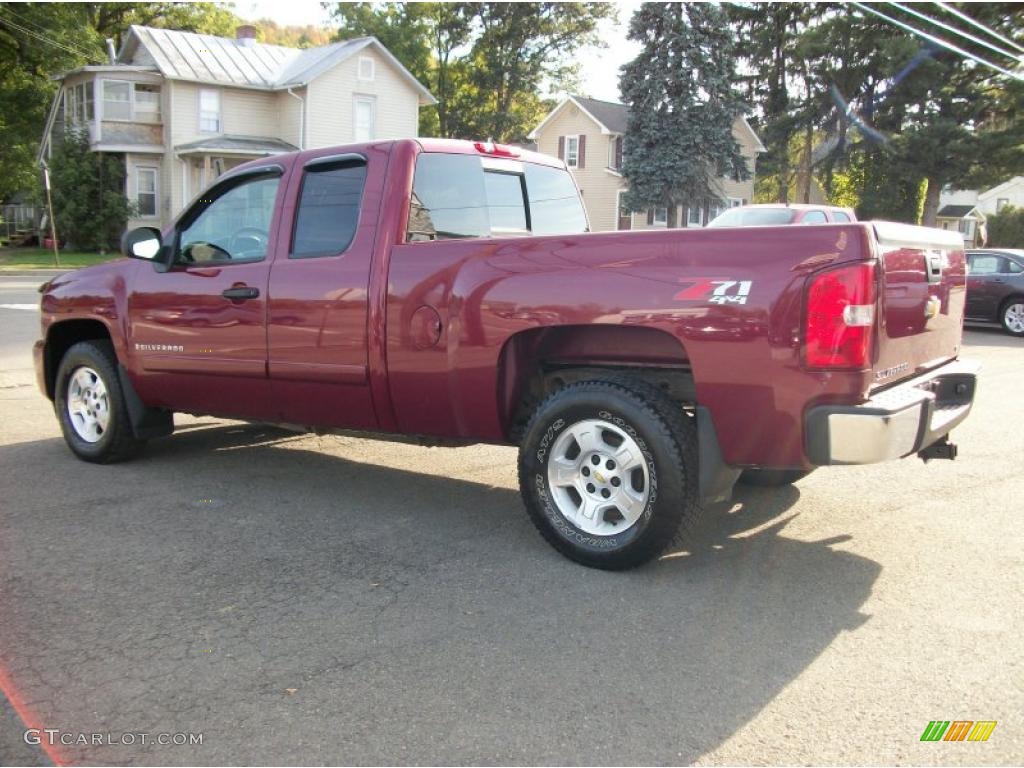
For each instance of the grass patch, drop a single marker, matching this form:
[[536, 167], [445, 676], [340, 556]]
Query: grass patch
[[41, 258]]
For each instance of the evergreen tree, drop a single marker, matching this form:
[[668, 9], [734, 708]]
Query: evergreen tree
[[682, 106], [88, 194]]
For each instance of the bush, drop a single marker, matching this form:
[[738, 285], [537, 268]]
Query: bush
[[1006, 228], [88, 194]]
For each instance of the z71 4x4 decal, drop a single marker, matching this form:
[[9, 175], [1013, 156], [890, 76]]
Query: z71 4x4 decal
[[716, 290]]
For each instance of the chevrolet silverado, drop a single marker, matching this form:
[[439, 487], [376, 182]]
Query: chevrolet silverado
[[451, 292]]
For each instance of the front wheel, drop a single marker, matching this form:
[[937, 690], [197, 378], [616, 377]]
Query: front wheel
[[90, 405], [1012, 317], [608, 472]]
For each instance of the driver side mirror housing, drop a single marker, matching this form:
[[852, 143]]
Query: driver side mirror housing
[[144, 243]]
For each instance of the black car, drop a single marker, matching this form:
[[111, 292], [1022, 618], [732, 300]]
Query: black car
[[995, 287]]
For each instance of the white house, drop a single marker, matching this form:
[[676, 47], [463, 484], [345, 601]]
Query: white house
[[181, 108], [988, 201]]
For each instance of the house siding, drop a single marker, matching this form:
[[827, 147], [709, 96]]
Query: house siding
[[600, 186], [289, 110], [330, 110]]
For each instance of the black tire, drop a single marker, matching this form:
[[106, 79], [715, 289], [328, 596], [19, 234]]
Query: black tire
[[117, 442], [1015, 305], [773, 478], [667, 440]]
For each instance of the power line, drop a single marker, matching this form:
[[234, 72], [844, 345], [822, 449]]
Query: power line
[[939, 41], [977, 24], [41, 37], [955, 31]]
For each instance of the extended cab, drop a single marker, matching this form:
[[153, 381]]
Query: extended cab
[[451, 291]]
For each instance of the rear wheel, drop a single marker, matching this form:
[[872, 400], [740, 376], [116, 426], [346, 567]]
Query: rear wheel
[[1012, 316], [608, 472], [773, 478], [90, 405]]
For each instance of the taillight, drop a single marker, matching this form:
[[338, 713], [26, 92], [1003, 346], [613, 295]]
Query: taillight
[[840, 319]]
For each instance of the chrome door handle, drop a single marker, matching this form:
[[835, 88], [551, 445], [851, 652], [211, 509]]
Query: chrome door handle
[[241, 293]]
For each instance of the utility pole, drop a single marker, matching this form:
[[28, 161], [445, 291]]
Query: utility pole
[[49, 208]]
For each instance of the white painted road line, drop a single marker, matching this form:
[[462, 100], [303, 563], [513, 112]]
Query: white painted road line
[[29, 307]]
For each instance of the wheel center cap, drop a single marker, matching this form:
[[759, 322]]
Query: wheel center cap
[[599, 476]]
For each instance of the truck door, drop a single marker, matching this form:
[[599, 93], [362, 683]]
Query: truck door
[[317, 322], [197, 332]]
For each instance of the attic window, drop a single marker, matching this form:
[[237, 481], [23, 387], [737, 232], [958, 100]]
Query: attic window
[[366, 68]]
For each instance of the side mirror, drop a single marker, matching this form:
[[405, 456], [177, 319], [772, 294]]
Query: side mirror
[[142, 243]]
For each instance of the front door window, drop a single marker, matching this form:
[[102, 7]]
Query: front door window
[[234, 226]]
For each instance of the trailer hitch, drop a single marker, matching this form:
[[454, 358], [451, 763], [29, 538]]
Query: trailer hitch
[[941, 449]]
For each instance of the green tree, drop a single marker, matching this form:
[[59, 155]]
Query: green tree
[[682, 106], [486, 63], [520, 47], [88, 194], [1006, 228], [919, 116], [766, 42]]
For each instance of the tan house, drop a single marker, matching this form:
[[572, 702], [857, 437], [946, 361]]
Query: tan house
[[182, 108], [589, 134]]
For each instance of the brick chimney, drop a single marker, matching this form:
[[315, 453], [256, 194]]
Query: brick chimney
[[246, 35]]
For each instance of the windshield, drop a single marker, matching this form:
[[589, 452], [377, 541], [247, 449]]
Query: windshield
[[753, 217]]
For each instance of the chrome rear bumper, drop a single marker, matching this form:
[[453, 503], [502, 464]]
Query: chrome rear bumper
[[894, 423]]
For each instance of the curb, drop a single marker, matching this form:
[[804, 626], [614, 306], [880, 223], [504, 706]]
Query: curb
[[41, 273]]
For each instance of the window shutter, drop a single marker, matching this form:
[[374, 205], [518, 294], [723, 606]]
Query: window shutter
[[618, 153], [582, 161], [561, 147], [650, 215]]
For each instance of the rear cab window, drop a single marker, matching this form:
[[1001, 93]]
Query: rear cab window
[[463, 196], [328, 208]]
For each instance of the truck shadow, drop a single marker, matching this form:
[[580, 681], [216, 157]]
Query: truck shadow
[[419, 617]]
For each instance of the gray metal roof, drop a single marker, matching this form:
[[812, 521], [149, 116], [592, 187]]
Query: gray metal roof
[[251, 145], [249, 64]]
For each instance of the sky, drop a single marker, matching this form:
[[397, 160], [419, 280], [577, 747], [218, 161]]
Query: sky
[[599, 67]]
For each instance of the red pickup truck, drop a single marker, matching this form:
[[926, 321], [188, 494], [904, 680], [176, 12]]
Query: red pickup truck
[[451, 292]]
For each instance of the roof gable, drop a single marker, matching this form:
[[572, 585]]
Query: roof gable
[[569, 100], [224, 61], [958, 212], [1006, 186]]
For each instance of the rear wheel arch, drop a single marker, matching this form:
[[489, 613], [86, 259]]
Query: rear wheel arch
[[538, 361]]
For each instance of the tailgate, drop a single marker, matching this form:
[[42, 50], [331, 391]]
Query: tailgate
[[923, 284]]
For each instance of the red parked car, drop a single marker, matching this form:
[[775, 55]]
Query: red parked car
[[770, 214], [451, 291]]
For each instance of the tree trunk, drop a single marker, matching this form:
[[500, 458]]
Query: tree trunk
[[809, 167], [672, 221], [931, 202], [784, 173]]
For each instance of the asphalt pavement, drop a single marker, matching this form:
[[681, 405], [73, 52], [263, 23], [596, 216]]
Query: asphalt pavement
[[314, 600]]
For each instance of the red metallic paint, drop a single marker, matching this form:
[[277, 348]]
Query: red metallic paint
[[337, 341]]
